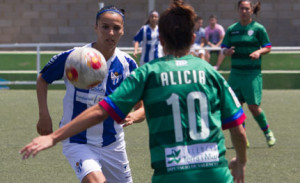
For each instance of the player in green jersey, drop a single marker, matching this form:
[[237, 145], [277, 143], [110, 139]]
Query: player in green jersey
[[245, 41], [187, 103]]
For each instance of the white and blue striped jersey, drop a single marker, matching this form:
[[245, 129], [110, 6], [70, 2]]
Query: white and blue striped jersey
[[120, 65], [149, 38]]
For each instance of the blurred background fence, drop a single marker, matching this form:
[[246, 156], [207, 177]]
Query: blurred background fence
[[20, 65]]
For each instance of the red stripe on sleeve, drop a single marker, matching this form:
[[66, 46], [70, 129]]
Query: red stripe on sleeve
[[235, 123], [110, 111]]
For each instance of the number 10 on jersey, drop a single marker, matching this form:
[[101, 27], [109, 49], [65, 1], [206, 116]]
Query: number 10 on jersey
[[192, 99]]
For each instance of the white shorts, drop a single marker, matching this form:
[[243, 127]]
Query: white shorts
[[111, 160]]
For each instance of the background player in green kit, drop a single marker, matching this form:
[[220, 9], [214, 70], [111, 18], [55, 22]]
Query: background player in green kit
[[245, 41], [187, 103]]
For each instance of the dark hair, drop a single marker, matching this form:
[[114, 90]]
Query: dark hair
[[198, 18], [110, 8], [213, 16], [255, 7], [176, 26], [150, 13]]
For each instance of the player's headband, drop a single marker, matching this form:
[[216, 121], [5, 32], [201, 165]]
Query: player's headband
[[106, 10]]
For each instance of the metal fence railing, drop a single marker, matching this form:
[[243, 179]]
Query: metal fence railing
[[38, 47]]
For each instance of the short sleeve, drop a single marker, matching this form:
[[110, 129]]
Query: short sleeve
[[221, 30], [139, 35], [264, 38], [232, 113], [54, 69], [226, 40]]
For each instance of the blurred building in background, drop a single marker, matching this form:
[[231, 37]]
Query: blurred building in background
[[52, 21]]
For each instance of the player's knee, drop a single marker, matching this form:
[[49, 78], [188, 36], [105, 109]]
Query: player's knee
[[254, 109], [94, 177]]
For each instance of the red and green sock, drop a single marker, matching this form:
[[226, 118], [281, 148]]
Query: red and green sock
[[261, 120]]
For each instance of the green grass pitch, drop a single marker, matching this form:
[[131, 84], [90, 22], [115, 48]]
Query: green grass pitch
[[19, 114]]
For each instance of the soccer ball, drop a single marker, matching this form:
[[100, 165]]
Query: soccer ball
[[85, 67]]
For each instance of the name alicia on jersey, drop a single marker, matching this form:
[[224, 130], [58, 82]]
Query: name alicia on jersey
[[182, 77]]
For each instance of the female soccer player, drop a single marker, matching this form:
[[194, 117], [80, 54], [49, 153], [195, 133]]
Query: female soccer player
[[186, 120], [245, 41], [98, 152], [149, 37]]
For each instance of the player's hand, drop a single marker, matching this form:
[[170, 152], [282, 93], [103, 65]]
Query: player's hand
[[135, 53], [229, 51], [44, 125], [237, 170], [36, 145], [129, 120], [255, 55]]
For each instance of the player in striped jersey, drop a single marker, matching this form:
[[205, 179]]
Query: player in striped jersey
[[148, 36], [245, 41], [187, 103], [100, 149]]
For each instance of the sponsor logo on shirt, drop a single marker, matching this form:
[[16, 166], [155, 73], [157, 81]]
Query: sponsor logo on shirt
[[181, 62], [89, 98], [235, 32], [192, 156]]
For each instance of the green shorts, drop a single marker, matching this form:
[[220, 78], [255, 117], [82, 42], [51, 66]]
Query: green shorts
[[247, 87]]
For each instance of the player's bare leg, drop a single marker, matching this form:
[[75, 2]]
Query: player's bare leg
[[244, 125], [94, 177]]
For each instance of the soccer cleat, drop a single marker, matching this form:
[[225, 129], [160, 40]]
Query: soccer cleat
[[270, 139]]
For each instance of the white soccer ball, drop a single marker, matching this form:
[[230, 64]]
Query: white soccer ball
[[85, 67]]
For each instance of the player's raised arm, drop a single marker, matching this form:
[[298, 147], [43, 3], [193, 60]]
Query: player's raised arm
[[86, 119]]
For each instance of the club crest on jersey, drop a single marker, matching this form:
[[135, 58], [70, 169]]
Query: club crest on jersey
[[250, 32], [79, 166], [115, 77]]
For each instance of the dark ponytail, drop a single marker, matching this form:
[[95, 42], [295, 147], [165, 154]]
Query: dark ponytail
[[255, 7]]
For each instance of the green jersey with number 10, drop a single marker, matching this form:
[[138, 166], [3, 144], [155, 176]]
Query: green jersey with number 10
[[187, 103]]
